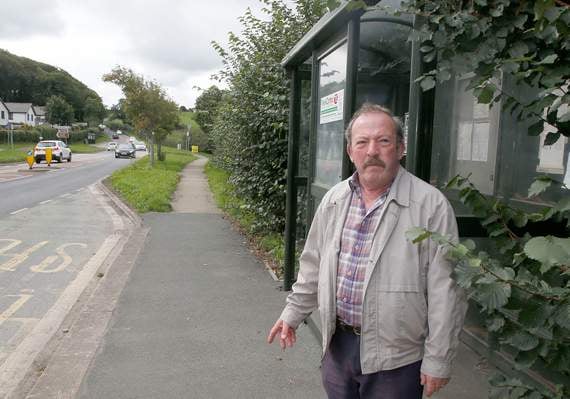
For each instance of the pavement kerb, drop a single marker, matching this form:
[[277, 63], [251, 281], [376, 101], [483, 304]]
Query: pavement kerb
[[118, 203]]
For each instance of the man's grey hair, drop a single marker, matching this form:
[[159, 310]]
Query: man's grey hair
[[370, 108]]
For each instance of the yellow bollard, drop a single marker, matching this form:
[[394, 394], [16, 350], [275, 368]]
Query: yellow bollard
[[48, 156], [194, 148], [30, 159]]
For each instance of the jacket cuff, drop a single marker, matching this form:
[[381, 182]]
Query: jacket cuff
[[436, 368], [291, 317]]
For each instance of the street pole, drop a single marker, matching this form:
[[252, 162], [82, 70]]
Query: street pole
[[187, 140], [11, 137], [152, 150]]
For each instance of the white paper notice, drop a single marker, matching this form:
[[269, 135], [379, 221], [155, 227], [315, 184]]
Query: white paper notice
[[464, 141], [332, 107], [480, 111], [480, 145]]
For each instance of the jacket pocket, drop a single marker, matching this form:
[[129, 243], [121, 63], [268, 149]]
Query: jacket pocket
[[402, 311]]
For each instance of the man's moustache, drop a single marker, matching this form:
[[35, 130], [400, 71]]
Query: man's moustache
[[374, 162]]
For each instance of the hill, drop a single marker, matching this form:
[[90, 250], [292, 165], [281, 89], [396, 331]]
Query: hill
[[26, 80]]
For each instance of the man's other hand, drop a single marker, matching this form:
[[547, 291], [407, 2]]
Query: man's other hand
[[432, 384], [287, 335]]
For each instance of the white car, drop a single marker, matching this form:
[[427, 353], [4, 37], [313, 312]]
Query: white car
[[59, 151], [111, 146], [140, 146]]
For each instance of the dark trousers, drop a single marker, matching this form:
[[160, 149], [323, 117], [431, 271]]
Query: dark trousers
[[343, 378]]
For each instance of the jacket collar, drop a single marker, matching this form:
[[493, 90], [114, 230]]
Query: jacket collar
[[399, 191]]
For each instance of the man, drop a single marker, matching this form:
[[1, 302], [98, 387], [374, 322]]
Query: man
[[390, 312]]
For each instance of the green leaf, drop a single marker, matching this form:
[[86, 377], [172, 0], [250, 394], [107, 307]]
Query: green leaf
[[427, 83], [538, 186], [523, 341], [551, 138], [550, 59], [493, 295], [417, 234], [486, 94], [563, 205], [495, 323], [536, 128], [525, 359], [562, 316], [549, 250]]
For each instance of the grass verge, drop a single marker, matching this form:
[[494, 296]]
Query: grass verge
[[270, 247], [148, 189], [18, 154]]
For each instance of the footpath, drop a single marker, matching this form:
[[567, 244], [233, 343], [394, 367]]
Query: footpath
[[193, 318]]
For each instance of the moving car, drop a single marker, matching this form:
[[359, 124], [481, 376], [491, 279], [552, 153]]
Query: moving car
[[140, 146], [125, 150], [59, 151], [111, 146]]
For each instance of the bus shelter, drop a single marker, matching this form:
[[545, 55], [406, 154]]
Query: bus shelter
[[367, 55]]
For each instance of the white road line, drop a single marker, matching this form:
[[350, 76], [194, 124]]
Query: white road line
[[64, 195], [18, 211], [45, 202]]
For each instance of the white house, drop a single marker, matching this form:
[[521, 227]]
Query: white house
[[41, 114], [4, 114], [21, 113]]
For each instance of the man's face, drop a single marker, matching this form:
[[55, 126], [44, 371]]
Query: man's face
[[375, 150]]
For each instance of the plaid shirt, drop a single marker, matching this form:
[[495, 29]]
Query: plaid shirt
[[356, 243]]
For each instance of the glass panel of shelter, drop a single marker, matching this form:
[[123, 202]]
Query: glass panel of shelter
[[384, 64], [330, 122], [491, 147]]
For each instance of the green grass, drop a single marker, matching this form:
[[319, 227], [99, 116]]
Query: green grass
[[149, 189], [80, 148], [272, 244], [18, 154]]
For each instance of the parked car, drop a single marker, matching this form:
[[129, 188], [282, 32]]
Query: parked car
[[115, 136], [111, 146], [140, 146], [126, 150], [59, 151]]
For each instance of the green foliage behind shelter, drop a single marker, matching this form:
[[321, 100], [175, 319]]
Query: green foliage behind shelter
[[250, 130]]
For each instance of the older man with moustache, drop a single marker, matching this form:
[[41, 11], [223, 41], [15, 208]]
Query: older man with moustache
[[390, 311]]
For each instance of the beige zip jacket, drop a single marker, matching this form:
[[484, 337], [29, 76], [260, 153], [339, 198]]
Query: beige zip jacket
[[412, 308]]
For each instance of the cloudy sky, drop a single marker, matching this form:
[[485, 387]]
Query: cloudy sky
[[165, 40]]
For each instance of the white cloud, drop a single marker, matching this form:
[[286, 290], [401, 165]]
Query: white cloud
[[165, 40]]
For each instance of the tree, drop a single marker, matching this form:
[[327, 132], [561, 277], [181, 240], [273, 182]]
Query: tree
[[59, 112], [146, 104], [250, 128], [94, 111], [206, 109]]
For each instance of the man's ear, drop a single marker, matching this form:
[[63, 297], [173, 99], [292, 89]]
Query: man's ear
[[349, 152], [401, 149]]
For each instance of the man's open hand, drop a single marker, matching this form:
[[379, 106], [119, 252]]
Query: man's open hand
[[432, 384], [287, 335]]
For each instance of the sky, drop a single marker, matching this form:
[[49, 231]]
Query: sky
[[168, 41]]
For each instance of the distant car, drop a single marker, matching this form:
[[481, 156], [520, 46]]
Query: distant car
[[111, 146], [132, 139], [126, 150], [115, 136], [59, 151], [140, 146]]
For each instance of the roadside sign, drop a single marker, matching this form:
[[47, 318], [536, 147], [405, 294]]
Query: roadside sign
[[194, 148], [48, 156]]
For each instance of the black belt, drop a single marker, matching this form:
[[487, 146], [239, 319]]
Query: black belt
[[347, 327]]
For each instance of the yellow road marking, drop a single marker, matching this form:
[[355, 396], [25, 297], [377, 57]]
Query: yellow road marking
[[11, 265], [9, 246], [43, 266], [13, 308]]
